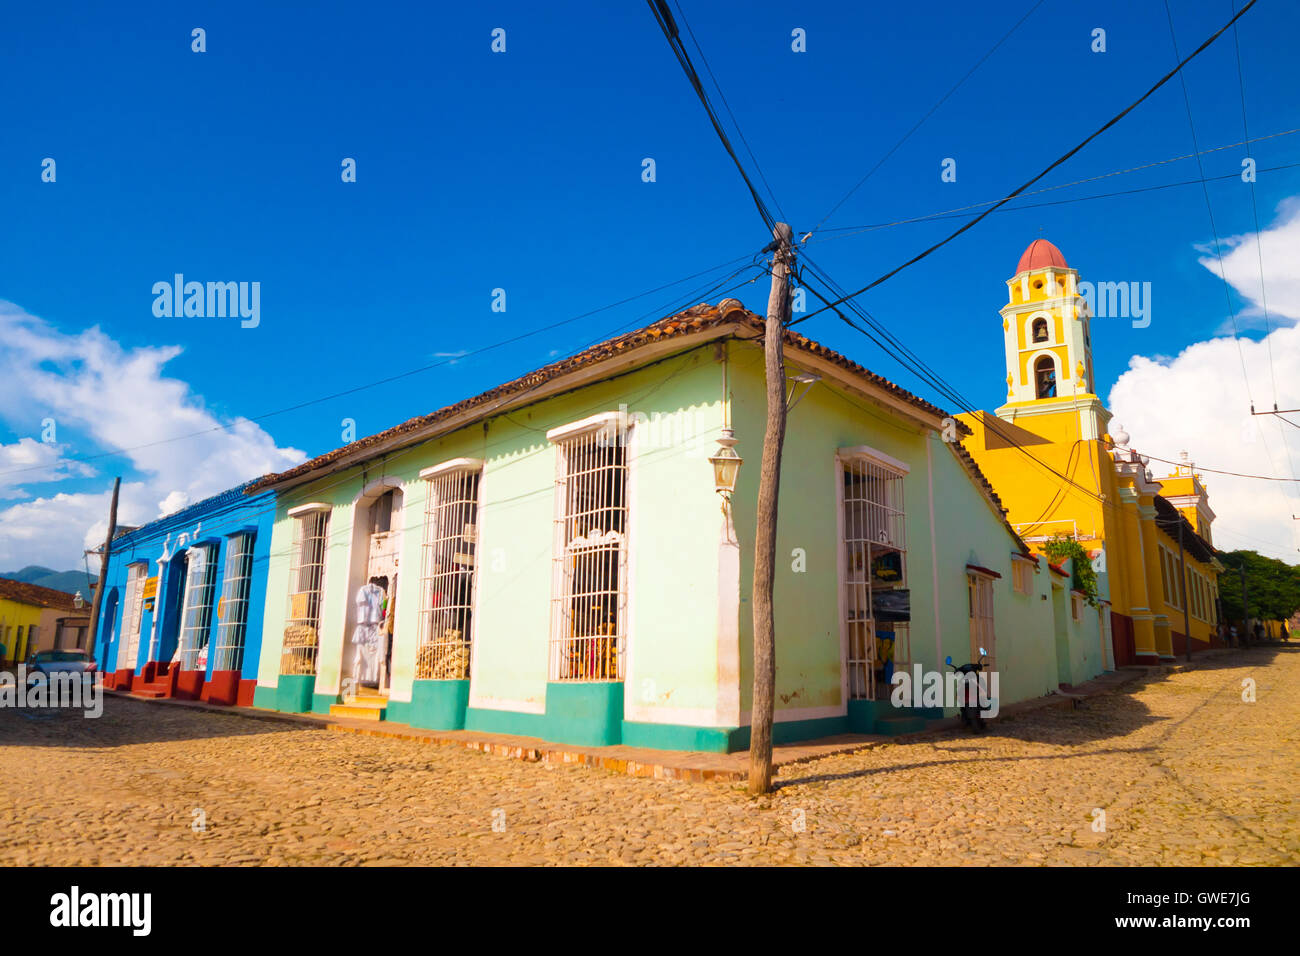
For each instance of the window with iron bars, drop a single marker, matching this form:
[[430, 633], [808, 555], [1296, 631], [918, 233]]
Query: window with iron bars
[[448, 572], [128, 646], [589, 605], [229, 653], [306, 574], [875, 552], [196, 612]]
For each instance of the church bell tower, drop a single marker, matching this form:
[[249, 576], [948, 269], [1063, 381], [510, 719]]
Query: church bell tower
[[1045, 326]]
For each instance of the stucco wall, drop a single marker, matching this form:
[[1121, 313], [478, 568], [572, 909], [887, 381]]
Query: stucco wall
[[674, 527], [810, 671]]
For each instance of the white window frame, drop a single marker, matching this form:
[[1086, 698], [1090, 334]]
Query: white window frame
[[196, 608], [576, 655], [1076, 606], [865, 523], [449, 564], [237, 579], [128, 642], [311, 531]]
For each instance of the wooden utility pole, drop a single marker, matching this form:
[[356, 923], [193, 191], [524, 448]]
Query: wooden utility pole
[[103, 570], [769, 485]]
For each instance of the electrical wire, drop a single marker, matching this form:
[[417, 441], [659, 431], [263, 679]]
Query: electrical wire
[[727, 106], [1062, 159], [666, 22], [955, 214], [943, 99], [383, 381]]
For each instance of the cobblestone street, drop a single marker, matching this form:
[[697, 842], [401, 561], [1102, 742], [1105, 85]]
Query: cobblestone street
[[1185, 771]]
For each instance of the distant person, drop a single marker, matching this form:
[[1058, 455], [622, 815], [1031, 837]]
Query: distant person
[[1232, 635], [1259, 631]]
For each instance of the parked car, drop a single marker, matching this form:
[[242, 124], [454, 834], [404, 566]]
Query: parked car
[[71, 661]]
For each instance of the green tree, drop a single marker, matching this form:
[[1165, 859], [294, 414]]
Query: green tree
[[1061, 548], [1272, 586]]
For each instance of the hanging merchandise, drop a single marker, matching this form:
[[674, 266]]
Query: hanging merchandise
[[365, 638]]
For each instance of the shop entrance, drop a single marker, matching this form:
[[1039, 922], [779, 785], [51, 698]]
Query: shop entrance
[[372, 590]]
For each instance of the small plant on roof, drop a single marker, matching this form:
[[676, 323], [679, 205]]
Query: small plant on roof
[[1062, 548]]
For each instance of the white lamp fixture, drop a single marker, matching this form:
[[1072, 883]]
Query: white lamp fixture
[[78, 601], [726, 464]]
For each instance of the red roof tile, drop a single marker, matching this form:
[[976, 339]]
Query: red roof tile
[[697, 319], [35, 595]]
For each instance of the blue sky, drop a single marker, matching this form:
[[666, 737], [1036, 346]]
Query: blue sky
[[522, 170]]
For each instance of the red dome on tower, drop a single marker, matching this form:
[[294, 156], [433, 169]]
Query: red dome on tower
[[1040, 255]]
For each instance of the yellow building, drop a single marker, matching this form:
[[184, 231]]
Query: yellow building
[[34, 618], [1050, 454]]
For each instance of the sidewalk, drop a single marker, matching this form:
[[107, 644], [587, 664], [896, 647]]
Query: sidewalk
[[664, 764]]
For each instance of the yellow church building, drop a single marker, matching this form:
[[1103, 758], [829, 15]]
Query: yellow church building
[[1061, 469]]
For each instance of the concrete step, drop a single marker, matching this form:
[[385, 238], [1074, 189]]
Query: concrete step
[[359, 711]]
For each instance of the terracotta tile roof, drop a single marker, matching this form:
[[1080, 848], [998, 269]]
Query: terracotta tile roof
[[35, 595], [699, 319], [1168, 518]]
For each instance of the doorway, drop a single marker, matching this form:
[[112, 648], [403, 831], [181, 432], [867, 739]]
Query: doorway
[[372, 589]]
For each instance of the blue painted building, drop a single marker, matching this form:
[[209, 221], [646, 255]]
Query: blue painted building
[[183, 601]]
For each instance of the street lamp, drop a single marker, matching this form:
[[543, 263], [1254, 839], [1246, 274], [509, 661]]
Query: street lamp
[[78, 601], [726, 464]]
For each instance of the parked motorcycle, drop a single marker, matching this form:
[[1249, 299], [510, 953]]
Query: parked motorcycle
[[971, 714]]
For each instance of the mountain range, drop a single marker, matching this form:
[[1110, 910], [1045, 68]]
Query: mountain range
[[69, 581]]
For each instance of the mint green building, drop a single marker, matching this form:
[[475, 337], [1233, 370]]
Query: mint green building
[[553, 558]]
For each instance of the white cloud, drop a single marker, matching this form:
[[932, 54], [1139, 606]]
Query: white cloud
[[1279, 245], [117, 398], [28, 461], [1198, 401]]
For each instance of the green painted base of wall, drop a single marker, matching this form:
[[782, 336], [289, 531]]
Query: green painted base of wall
[[792, 731], [399, 712], [264, 697], [293, 694], [861, 716], [506, 722], [589, 714], [437, 705], [321, 703], [882, 717], [713, 740]]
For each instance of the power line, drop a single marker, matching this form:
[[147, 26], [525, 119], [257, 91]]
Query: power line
[[666, 22], [1259, 256], [846, 232], [727, 106], [943, 99], [1218, 251], [1107, 125], [1217, 471], [1054, 202], [918, 367], [386, 380]]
